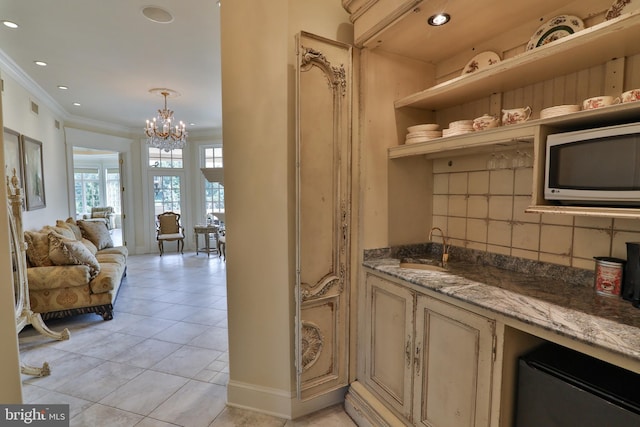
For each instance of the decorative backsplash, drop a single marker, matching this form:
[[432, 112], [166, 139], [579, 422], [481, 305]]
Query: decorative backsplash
[[480, 201]]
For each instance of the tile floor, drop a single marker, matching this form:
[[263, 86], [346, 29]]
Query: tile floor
[[162, 360]]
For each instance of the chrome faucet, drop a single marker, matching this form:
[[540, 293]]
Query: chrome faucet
[[445, 246]]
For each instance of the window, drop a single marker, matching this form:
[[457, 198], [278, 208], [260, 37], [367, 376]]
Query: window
[[213, 157], [214, 197], [113, 189], [87, 189], [166, 193], [161, 159]]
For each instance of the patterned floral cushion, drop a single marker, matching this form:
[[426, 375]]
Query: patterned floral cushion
[[92, 248], [37, 248], [71, 223], [64, 251], [63, 231], [97, 232]]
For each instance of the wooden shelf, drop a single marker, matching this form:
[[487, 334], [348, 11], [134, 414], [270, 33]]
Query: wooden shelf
[[506, 135], [592, 46], [516, 134]]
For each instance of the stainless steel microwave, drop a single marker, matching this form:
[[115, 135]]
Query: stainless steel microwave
[[598, 166]]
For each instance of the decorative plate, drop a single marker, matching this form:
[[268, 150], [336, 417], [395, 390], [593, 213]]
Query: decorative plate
[[480, 61], [559, 110], [556, 28], [424, 127], [622, 6]]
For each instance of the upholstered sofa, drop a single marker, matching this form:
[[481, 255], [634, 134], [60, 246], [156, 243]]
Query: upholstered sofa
[[73, 268]]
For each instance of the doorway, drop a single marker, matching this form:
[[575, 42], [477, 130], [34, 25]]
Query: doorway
[[97, 182]]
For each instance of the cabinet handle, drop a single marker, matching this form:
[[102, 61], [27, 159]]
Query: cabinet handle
[[416, 361], [407, 351]]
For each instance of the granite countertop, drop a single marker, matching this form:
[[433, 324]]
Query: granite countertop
[[559, 299]]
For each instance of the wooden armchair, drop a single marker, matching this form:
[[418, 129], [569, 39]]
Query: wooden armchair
[[102, 213], [168, 228]]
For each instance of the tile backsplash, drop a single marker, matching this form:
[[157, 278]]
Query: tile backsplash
[[480, 203]]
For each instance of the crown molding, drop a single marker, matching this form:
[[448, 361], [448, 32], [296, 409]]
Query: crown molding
[[79, 122], [14, 71], [8, 66]]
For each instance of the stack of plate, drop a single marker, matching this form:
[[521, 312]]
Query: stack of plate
[[458, 127], [559, 110], [422, 133]]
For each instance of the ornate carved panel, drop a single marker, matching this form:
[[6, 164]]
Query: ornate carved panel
[[323, 202]]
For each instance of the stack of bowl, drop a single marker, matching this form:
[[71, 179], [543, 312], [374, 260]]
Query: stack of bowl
[[422, 133], [458, 127]]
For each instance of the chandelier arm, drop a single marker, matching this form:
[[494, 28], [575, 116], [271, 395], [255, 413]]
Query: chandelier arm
[[162, 134]]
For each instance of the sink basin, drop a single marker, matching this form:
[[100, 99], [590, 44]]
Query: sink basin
[[426, 267]]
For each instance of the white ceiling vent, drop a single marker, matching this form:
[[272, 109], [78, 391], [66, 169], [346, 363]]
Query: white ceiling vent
[[34, 107]]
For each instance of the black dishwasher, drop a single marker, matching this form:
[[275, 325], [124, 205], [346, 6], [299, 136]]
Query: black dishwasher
[[559, 387]]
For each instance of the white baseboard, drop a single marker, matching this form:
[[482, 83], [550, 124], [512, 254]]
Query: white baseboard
[[277, 403]]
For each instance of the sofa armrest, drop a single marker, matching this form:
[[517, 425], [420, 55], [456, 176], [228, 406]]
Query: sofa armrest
[[57, 276]]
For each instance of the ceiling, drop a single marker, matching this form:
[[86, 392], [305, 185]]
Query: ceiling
[[110, 55]]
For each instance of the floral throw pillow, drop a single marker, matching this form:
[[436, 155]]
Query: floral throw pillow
[[37, 248], [64, 251], [71, 223], [61, 230], [96, 232]]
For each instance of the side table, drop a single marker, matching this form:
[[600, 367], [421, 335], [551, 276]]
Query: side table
[[207, 230]]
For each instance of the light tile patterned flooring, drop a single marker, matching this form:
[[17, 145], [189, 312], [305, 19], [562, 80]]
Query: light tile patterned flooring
[[162, 360]]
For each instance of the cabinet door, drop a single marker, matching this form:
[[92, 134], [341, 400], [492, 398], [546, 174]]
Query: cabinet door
[[453, 366], [388, 362], [323, 204]]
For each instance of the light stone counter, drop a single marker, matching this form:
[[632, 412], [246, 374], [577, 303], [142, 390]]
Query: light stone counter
[[570, 309]]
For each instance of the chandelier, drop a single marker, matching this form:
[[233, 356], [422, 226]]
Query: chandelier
[[162, 133]]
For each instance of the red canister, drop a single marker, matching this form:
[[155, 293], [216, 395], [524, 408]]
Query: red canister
[[608, 280]]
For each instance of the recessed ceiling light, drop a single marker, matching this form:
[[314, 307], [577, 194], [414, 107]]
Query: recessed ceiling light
[[157, 14], [40, 63], [439, 19], [10, 24], [192, 124], [62, 87], [76, 104]]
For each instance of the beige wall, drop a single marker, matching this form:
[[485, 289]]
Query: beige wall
[[16, 102], [258, 64]]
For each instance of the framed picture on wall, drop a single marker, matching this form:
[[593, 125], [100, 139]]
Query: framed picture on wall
[[12, 154], [33, 173]]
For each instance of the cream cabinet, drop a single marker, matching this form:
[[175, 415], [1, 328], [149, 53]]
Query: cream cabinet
[[389, 342], [453, 362], [429, 361]]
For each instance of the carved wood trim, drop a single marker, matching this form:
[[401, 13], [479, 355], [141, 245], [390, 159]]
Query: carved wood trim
[[309, 292], [312, 344], [336, 76], [357, 10], [322, 278]]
